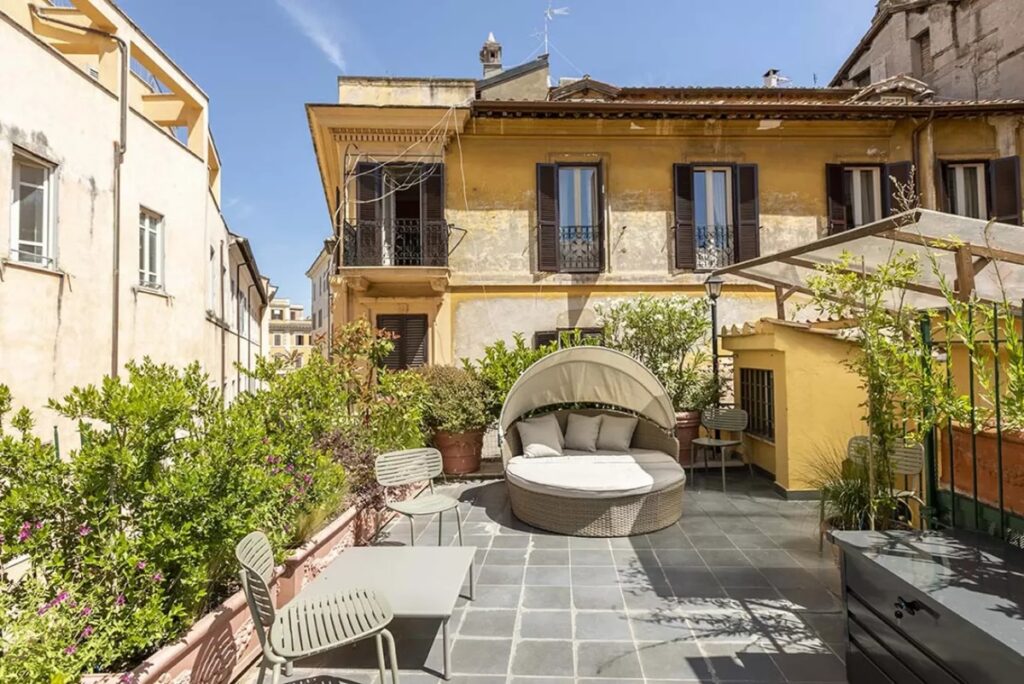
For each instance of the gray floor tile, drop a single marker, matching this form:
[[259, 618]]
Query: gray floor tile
[[594, 575], [597, 598], [543, 658], [545, 624], [552, 598], [746, 667], [590, 557], [724, 557], [664, 625], [547, 575], [506, 541], [481, 656], [811, 598], [549, 557], [494, 597], [679, 557], [676, 660], [588, 543], [607, 659], [549, 541], [481, 622], [740, 577], [811, 667], [602, 626], [505, 557], [711, 541], [500, 574]]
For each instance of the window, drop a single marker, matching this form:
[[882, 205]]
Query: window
[[965, 189], [212, 293], [569, 218], [277, 340], [921, 54], [757, 398], [409, 333], [569, 337], [151, 247], [298, 340], [862, 191], [862, 79], [32, 211], [276, 314], [712, 216], [243, 315]]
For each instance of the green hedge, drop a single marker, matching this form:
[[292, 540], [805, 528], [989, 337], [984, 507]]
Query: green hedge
[[131, 536]]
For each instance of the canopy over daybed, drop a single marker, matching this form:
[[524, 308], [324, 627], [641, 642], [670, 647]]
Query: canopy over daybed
[[589, 375]]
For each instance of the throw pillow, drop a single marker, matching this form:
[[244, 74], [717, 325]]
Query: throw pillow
[[616, 433], [547, 418], [581, 432], [540, 439]]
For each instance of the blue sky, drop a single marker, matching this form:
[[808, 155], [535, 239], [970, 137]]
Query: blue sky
[[260, 61]]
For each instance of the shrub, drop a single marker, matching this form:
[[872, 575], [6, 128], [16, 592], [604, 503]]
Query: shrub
[[456, 400], [669, 335], [501, 365], [131, 537]]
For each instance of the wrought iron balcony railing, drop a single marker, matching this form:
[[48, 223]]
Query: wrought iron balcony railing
[[714, 246], [396, 242], [579, 249]]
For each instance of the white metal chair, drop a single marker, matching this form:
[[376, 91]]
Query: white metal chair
[[308, 625], [397, 468], [732, 420]]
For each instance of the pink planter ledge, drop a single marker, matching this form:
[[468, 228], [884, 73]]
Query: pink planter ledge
[[223, 643]]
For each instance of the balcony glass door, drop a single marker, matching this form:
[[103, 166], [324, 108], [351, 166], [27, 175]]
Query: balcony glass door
[[578, 218], [712, 205]]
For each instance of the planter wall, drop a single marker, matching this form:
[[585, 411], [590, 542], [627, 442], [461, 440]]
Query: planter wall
[[988, 472], [223, 644]]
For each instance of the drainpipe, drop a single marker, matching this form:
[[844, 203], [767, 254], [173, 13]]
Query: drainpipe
[[120, 147], [223, 332], [248, 336], [238, 331]]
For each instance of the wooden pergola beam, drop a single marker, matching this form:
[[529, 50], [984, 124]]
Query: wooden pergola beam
[[975, 250], [913, 287]]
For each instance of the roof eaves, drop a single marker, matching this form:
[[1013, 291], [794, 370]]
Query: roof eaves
[[538, 63]]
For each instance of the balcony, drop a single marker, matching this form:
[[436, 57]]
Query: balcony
[[713, 246], [396, 242], [579, 249]]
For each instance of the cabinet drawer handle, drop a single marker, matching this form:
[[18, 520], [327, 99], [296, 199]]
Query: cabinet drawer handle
[[903, 606]]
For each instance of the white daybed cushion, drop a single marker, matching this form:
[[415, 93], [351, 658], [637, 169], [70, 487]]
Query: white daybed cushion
[[540, 439], [616, 433], [581, 432], [578, 474]]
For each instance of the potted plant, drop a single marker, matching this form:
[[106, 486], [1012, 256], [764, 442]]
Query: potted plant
[[669, 335], [455, 416]]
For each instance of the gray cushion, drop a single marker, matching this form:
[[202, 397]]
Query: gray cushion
[[545, 419], [616, 433], [540, 438], [581, 432]]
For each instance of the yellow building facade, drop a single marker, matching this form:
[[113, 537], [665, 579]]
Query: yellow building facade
[[469, 210]]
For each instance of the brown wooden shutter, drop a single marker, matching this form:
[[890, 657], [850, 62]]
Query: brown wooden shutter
[[369, 211], [835, 193], [685, 237], [411, 340], [895, 176], [1004, 188], [547, 217], [544, 337], [748, 228], [434, 233], [941, 198]]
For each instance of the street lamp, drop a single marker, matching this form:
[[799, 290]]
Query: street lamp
[[713, 286]]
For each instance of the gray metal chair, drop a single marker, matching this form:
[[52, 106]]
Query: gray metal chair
[[729, 419], [309, 624], [397, 468]]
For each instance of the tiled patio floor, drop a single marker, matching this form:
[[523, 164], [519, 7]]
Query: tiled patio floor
[[735, 592]]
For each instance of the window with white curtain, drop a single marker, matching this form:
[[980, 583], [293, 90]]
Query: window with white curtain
[[151, 249], [863, 195], [965, 190], [32, 211]]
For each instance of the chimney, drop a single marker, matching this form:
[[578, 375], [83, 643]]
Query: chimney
[[771, 78], [490, 56]]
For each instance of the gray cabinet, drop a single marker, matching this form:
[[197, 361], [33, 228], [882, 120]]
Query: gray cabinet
[[932, 607]]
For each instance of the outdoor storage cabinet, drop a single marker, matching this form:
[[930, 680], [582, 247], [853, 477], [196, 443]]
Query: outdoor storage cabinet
[[932, 607]]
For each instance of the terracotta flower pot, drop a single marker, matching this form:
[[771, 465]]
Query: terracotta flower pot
[[460, 451], [687, 430]]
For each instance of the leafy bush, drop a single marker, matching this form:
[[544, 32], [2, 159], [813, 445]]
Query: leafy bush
[[131, 537], [501, 365], [669, 335], [456, 400]]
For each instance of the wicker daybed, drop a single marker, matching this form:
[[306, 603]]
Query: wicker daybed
[[594, 493]]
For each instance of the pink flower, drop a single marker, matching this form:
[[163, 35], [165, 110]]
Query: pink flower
[[141, 565], [84, 530], [126, 678], [157, 576], [39, 525], [87, 611], [119, 601], [25, 532], [61, 597], [70, 649], [87, 632], [43, 608]]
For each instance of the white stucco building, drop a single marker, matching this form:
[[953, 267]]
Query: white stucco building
[[112, 242], [319, 274]]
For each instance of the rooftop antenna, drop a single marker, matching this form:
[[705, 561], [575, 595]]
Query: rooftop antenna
[[549, 15]]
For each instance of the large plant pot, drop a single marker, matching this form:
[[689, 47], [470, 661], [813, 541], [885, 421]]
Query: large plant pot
[[987, 444], [460, 451], [687, 430]]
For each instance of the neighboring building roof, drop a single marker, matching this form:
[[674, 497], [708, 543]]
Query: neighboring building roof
[[325, 251], [886, 9], [515, 72], [250, 262]]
